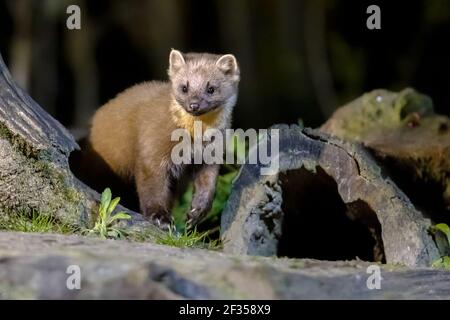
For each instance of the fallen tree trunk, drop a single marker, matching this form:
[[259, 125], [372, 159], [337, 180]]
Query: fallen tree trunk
[[34, 170], [329, 200]]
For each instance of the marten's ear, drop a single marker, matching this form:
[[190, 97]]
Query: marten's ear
[[176, 61], [228, 64]]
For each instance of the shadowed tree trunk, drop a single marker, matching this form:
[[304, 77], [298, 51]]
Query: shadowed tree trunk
[[316, 53], [22, 41], [80, 53]]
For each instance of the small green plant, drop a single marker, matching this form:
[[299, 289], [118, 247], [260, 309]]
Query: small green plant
[[442, 263], [441, 233], [34, 222], [228, 173], [188, 238], [223, 190], [105, 226]]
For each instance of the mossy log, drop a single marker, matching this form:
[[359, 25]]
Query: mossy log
[[34, 171], [329, 200], [408, 138]]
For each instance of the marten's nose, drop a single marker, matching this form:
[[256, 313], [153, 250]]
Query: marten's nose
[[194, 106]]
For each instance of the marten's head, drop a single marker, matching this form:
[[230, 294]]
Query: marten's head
[[202, 82]]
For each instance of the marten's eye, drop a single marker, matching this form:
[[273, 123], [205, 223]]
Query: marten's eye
[[210, 90], [184, 89]]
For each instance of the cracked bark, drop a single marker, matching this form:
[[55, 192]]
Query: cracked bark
[[344, 167]]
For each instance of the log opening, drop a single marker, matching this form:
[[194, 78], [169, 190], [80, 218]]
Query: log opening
[[317, 222]]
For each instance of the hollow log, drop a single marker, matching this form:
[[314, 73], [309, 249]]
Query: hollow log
[[34, 170], [329, 200]]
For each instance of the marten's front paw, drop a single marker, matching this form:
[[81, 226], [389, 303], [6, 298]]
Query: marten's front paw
[[161, 220], [192, 218], [197, 212]]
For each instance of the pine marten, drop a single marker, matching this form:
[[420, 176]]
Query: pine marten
[[132, 132]]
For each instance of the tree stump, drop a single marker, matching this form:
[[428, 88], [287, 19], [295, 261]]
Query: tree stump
[[34, 170], [329, 200]]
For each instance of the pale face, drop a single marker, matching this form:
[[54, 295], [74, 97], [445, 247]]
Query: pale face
[[202, 83]]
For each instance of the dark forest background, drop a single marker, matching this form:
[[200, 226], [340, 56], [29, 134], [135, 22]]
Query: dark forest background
[[299, 59]]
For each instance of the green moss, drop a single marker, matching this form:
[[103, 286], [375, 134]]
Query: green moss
[[70, 197], [45, 186], [18, 142], [382, 108]]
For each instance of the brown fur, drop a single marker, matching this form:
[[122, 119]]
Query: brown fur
[[131, 132]]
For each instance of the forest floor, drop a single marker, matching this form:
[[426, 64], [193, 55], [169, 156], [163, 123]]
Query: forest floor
[[43, 266]]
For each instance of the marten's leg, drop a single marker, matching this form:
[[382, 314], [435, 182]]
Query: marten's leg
[[154, 195], [204, 188]]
